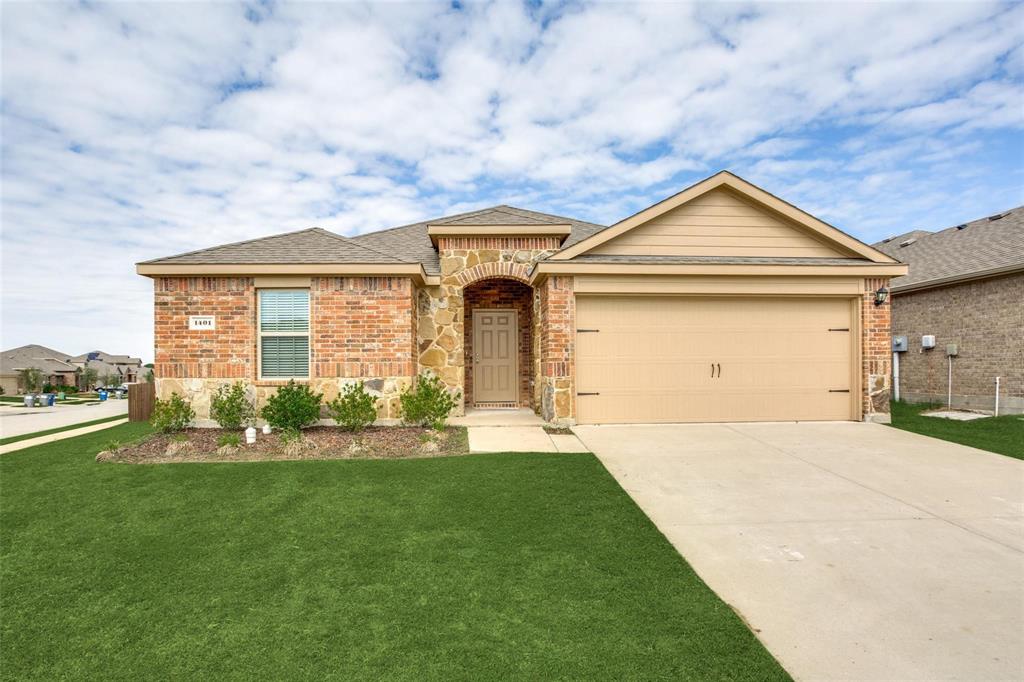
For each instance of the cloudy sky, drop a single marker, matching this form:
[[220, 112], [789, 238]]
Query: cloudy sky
[[137, 130]]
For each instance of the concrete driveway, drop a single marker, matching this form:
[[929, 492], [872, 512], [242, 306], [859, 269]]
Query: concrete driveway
[[855, 551]]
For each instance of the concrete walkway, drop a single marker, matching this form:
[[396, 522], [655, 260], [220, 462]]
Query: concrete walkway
[[854, 551], [19, 420], [61, 435], [521, 439]]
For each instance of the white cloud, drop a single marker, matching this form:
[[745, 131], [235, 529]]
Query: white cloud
[[135, 130]]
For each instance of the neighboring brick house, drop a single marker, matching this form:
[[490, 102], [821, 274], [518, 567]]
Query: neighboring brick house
[[52, 363], [965, 287], [118, 369], [720, 303]]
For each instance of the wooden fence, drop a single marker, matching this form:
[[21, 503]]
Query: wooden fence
[[140, 401]]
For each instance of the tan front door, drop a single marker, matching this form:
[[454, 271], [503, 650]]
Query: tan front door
[[495, 361], [681, 359]]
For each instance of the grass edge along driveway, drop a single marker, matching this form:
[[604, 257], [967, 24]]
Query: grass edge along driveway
[[1003, 435], [513, 565]]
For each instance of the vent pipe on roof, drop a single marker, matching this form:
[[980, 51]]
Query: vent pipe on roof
[[907, 242], [997, 216], [960, 227]]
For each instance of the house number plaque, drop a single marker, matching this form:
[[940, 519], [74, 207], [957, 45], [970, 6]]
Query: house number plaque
[[202, 322]]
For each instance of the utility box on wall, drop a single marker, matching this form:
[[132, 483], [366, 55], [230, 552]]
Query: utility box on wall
[[928, 341], [899, 344], [951, 349]]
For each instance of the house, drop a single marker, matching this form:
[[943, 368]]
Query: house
[[965, 288], [53, 364], [720, 303], [123, 369]]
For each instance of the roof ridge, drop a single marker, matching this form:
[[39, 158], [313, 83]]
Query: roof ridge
[[353, 242], [423, 222], [238, 243]]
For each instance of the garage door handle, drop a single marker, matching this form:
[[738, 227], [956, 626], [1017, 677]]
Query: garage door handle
[[719, 371], [588, 394], [838, 390], [587, 331]]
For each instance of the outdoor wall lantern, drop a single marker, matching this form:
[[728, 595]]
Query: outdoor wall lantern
[[881, 295]]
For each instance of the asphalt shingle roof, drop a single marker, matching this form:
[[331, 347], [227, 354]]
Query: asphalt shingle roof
[[46, 359], [405, 244], [314, 245], [959, 252]]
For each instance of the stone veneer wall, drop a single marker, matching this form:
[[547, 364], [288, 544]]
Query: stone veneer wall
[[362, 329], [876, 352], [502, 293], [556, 314], [440, 310], [985, 318]]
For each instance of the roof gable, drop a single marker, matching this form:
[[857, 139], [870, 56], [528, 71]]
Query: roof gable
[[723, 216]]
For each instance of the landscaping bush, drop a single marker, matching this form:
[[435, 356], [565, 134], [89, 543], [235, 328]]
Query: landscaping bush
[[292, 407], [231, 408], [229, 440], [428, 403], [68, 390], [30, 379], [173, 414], [354, 409]]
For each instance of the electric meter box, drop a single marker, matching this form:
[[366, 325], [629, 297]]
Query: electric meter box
[[928, 341], [899, 344], [951, 349]]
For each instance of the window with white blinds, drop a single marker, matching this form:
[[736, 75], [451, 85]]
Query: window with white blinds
[[284, 333]]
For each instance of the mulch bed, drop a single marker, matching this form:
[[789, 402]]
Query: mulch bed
[[318, 442]]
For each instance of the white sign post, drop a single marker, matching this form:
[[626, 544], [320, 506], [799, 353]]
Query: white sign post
[[202, 322]]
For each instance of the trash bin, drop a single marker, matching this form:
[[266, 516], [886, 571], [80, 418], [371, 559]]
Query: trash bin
[[52, 399], [102, 395], [28, 401], [61, 396]]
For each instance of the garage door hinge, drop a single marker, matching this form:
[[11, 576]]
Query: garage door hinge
[[585, 331], [588, 394], [838, 390], [839, 329]]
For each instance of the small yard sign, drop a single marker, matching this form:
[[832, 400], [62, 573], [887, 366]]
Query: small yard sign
[[202, 322]]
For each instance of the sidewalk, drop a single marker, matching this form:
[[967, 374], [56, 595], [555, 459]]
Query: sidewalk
[[61, 435]]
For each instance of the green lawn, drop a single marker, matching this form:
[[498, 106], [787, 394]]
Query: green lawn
[[59, 429], [531, 566], [1004, 435]]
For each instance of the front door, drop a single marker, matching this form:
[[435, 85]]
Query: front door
[[495, 361]]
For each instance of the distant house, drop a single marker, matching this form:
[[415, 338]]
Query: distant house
[[53, 363], [966, 288], [126, 368]]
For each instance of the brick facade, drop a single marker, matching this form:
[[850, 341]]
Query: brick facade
[[360, 328], [876, 352], [556, 344], [229, 351], [985, 318]]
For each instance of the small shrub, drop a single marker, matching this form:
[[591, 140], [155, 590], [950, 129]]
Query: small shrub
[[428, 403], [290, 436], [173, 414], [229, 440], [112, 446], [230, 406], [292, 407], [354, 409], [67, 389]]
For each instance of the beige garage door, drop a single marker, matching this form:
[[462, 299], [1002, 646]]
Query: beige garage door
[[677, 359]]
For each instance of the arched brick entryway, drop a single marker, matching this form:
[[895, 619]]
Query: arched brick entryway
[[495, 292]]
